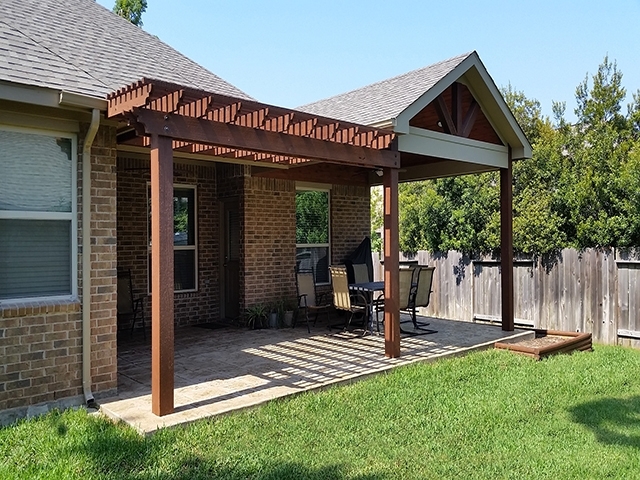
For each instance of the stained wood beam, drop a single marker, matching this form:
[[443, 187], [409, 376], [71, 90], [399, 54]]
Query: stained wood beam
[[226, 114], [162, 354], [469, 119], [445, 116], [256, 140], [456, 106], [198, 108], [391, 264], [506, 245], [135, 97], [255, 119], [167, 103]]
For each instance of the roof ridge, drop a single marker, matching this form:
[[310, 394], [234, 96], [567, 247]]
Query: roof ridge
[[54, 53], [405, 74]]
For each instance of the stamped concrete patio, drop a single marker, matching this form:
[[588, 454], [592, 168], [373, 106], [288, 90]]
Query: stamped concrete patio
[[225, 369]]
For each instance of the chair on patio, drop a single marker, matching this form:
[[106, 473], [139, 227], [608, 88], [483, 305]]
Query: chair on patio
[[353, 303], [308, 298], [415, 290], [129, 306], [424, 278]]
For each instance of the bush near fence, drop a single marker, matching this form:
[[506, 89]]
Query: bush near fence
[[595, 291]]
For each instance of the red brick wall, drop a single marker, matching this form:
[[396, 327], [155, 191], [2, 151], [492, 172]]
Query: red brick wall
[[41, 342], [350, 220], [133, 177], [269, 239]]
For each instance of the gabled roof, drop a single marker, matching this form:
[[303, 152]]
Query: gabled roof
[[383, 100], [81, 47], [394, 102]]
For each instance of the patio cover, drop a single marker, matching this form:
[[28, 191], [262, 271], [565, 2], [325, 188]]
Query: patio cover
[[170, 118]]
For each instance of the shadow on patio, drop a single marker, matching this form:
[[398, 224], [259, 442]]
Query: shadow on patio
[[226, 369]]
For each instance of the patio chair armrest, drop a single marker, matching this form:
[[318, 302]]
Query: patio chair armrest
[[363, 301], [323, 298], [302, 297]]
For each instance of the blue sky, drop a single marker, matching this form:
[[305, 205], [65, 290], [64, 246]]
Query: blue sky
[[290, 53]]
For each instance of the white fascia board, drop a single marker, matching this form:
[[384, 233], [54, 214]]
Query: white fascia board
[[451, 147], [68, 99], [49, 97], [15, 92]]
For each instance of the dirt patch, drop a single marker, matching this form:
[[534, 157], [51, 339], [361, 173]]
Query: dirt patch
[[542, 341]]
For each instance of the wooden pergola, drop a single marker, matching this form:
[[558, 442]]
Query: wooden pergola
[[284, 143]]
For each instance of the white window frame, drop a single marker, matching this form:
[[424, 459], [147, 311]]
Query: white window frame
[[36, 215], [193, 248], [317, 188]]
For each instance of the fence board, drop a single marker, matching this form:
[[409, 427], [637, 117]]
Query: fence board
[[596, 291]]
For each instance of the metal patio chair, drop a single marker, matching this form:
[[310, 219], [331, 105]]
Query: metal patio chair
[[353, 303], [130, 306], [308, 298]]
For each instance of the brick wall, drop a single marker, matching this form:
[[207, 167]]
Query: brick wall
[[269, 239], [350, 220], [41, 342], [133, 177]]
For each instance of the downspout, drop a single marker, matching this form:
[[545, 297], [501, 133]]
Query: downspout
[[86, 257]]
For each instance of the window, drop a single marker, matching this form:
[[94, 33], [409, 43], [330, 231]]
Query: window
[[184, 239], [312, 232], [37, 214]]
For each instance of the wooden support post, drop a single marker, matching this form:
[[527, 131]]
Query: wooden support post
[[506, 245], [162, 356], [391, 264]]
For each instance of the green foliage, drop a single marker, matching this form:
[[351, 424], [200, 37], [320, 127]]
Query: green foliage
[[580, 188], [132, 10], [312, 217]]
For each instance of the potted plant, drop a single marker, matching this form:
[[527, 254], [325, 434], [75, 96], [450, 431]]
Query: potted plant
[[288, 307], [256, 316], [274, 315]]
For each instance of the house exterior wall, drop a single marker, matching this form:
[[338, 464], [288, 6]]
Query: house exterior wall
[[269, 240], [133, 176], [350, 220], [41, 342]]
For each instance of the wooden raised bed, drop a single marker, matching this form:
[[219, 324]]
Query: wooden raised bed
[[549, 342]]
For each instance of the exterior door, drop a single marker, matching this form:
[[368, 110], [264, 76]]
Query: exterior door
[[231, 260]]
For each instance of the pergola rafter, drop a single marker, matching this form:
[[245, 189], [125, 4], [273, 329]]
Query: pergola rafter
[[220, 121]]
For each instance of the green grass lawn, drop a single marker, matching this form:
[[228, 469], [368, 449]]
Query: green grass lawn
[[488, 415]]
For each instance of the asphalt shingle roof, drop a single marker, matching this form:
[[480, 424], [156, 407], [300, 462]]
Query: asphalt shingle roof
[[81, 47], [383, 100]]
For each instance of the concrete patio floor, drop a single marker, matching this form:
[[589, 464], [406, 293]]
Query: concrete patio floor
[[225, 369]]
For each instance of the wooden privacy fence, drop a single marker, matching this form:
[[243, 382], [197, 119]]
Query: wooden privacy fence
[[593, 291]]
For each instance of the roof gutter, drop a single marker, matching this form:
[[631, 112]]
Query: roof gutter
[[86, 256]]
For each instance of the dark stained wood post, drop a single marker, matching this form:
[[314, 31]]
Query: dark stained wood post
[[506, 245], [391, 264], [162, 356]]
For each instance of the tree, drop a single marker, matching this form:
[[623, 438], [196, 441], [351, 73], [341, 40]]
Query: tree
[[132, 10]]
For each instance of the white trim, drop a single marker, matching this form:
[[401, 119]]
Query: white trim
[[28, 215], [49, 299], [451, 147], [71, 216], [318, 187]]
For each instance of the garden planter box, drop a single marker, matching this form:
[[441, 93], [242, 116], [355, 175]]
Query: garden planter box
[[550, 342]]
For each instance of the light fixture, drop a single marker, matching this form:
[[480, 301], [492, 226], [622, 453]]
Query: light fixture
[[439, 123], [379, 173]]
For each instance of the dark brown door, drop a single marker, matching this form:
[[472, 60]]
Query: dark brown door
[[231, 260]]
